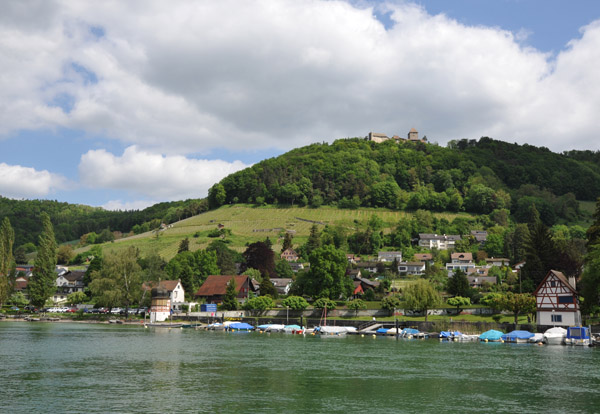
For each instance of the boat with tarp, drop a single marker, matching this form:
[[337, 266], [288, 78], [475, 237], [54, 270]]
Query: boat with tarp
[[578, 335], [240, 326], [491, 336], [517, 336]]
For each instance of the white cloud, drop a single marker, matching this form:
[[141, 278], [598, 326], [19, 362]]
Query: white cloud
[[24, 182], [127, 205], [153, 175], [192, 76]]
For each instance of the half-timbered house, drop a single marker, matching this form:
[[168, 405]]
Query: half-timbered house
[[556, 301]]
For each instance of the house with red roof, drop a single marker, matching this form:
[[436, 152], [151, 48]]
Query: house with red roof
[[214, 287]]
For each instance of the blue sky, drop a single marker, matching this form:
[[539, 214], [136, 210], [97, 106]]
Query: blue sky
[[125, 104]]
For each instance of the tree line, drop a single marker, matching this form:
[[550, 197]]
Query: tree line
[[481, 177]]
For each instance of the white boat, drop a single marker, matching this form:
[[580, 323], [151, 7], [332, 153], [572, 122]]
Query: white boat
[[467, 338], [555, 336], [536, 338], [275, 328], [335, 330]]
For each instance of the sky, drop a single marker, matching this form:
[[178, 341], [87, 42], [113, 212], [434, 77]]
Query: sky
[[125, 104]]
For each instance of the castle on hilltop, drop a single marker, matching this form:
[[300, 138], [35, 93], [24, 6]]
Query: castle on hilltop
[[413, 136]]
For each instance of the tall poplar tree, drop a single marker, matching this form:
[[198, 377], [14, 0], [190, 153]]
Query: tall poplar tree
[[41, 286], [7, 239]]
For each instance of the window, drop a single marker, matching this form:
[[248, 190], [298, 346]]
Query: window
[[565, 299], [556, 318], [553, 283]]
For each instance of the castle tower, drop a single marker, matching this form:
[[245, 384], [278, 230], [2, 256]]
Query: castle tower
[[413, 135]]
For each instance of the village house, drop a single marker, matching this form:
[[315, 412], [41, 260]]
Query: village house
[[557, 301], [460, 261], [282, 285], [214, 287], [389, 257], [361, 285], [174, 289], [68, 282], [438, 241], [424, 257], [354, 274], [497, 261], [411, 268], [478, 276], [480, 236], [352, 259], [289, 255], [296, 267], [368, 266]]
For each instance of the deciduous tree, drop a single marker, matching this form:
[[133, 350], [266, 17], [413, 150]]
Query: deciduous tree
[[41, 285], [422, 296]]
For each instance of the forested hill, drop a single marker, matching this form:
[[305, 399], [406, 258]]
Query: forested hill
[[478, 176], [71, 221]]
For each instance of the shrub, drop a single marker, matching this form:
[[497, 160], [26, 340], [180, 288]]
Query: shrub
[[295, 303]]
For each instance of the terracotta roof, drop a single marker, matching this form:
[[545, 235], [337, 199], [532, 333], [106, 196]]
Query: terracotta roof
[[423, 256], [217, 285], [462, 256], [413, 130]]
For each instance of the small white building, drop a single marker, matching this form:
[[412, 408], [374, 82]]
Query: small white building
[[439, 241], [173, 288], [556, 301], [462, 261], [389, 256], [411, 268]]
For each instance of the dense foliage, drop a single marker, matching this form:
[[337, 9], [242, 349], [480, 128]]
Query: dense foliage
[[481, 177], [71, 221]]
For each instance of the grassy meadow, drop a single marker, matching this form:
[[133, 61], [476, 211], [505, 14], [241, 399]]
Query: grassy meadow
[[249, 224]]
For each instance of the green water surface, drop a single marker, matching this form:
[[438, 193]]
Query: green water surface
[[82, 368]]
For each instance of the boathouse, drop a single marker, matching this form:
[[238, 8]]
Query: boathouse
[[556, 301]]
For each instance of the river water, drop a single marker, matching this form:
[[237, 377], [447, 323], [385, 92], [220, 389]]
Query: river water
[[96, 368]]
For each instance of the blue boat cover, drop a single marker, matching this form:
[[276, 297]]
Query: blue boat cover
[[265, 326], [241, 326], [491, 335], [410, 331], [514, 335], [578, 332], [293, 327], [381, 330]]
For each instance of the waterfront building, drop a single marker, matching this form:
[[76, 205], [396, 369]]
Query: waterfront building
[[557, 301]]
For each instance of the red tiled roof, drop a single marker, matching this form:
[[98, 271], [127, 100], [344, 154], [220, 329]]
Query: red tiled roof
[[217, 285]]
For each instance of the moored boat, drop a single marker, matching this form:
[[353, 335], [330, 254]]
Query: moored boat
[[537, 338], [491, 336], [517, 336], [555, 336], [577, 335]]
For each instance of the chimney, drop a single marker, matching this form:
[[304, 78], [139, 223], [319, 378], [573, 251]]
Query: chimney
[[572, 282]]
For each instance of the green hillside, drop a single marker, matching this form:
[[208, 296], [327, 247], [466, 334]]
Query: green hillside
[[249, 224]]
